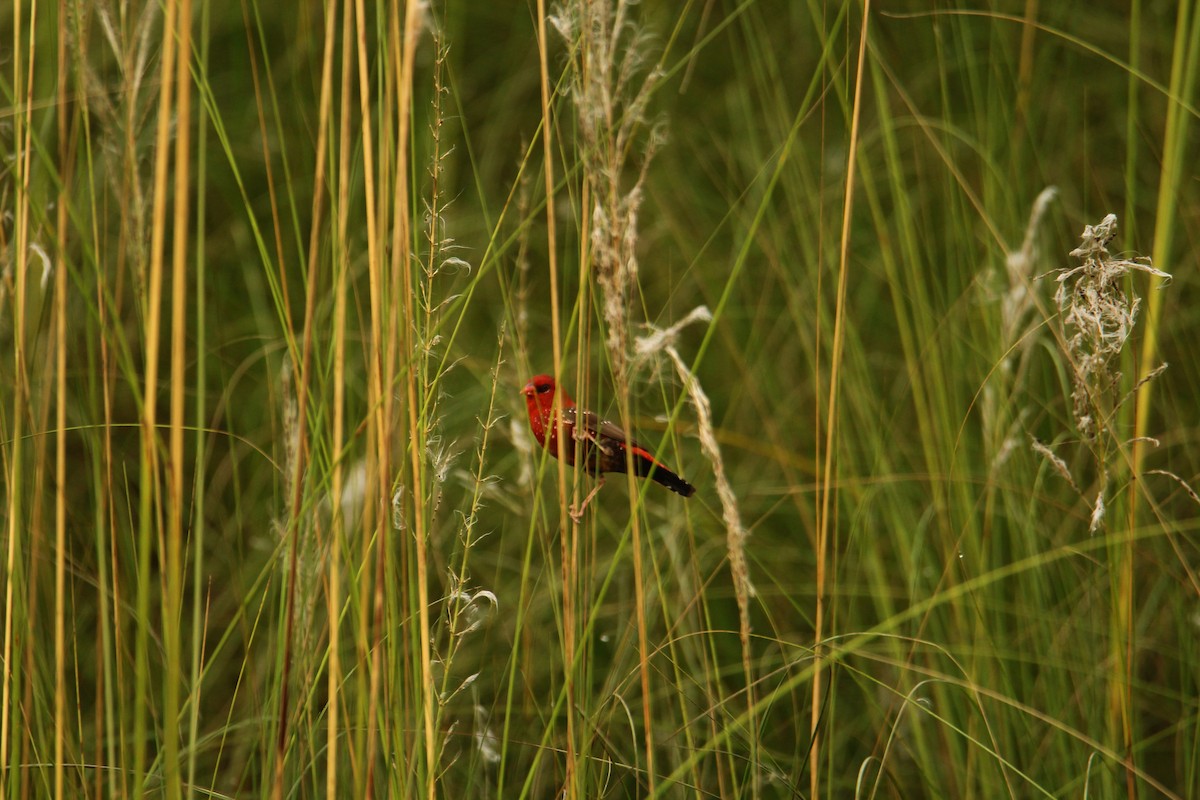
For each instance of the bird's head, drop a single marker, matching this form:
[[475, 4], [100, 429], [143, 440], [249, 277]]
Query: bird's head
[[539, 394], [539, 399]]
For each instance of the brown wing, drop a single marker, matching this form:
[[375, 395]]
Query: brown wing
[[599, 429]]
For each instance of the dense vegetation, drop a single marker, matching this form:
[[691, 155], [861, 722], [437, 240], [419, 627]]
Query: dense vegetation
[[275, 274]]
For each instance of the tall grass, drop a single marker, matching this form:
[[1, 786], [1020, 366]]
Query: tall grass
[[274, 523]]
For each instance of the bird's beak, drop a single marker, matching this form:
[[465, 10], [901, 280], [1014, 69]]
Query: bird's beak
[[528, 390]]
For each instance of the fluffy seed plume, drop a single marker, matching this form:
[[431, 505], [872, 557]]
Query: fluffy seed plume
[[663, 341], [611, 93], [1097, 318]]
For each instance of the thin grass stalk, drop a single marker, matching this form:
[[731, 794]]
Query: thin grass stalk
[[302, 388], [396, 157], [40, 403], [418, 382], [106, 729], [1126, 413], [392, 601], [576, 584], [337, 538], [369, 510], [130, 250], [577, 577], [402, 332], [571, 563], [1185, 71], [1132, 119], [274, 148], [517, 301], [824, 526], [421, 329], [1025, 69], [268, 160], [337, 525], [149, 473], [575, 660], [399, 600], [570, 783], [177, 507], [639, 590], [111, 748], [378, 389], [60, 450], [22, 125], [292, 530], [198, 486]]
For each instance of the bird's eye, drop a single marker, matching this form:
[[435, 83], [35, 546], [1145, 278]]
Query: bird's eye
[[545, 387]]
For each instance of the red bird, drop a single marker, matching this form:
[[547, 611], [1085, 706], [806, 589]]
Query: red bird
[[603, 444]]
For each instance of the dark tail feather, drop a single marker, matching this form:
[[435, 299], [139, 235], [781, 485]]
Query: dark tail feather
[[647, 467]]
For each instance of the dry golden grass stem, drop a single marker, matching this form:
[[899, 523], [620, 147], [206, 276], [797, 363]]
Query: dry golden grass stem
[[402, 269], [60, 450], [825, 526], [380, 373], [296, 469], [568, 648], [150, 467], [179, 317], [337, 521]]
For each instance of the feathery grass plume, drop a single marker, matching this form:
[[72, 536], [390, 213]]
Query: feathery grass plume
[[1017, 301], [310, 549], [47, 269], [663, 341], [1057, 463], [1097, 319], [521, 292], [1182, 483], [611, 94], [518, 429], [399, 521], [486, 741], [354, 494], [120, 131], [1001, 433], [522, 442], [291, 429]]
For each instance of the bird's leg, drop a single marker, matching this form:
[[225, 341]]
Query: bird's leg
[[577, 513]]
